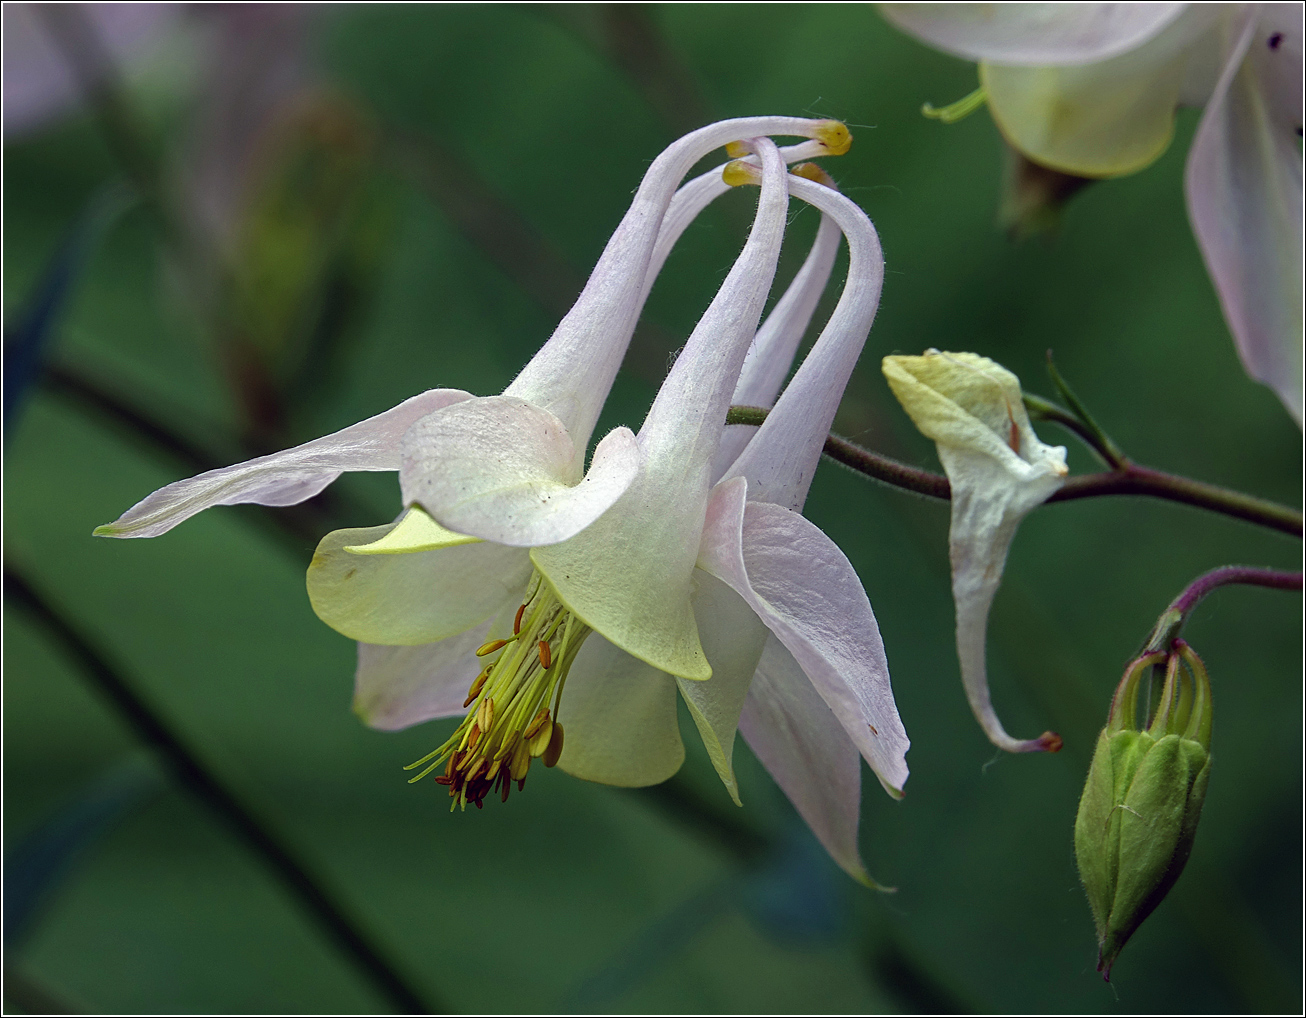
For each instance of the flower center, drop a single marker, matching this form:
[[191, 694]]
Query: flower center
[[509, 722]]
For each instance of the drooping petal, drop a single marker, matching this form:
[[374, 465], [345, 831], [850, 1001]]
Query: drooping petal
[[411, 598], [780, 462], [806, 750], [1244, 190], [733, 637], [808, 594], [998, 471], [283, 478], [619, 719], [505, 470], [629, 574], [572, 374], [1034, 33], [398, 687], [1101, 119]]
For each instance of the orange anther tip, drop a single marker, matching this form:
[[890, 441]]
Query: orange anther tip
[[491, 647], [546, 655]]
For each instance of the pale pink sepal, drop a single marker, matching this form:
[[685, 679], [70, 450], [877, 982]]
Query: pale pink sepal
[[1034, 33], [505, 470], [1244, 190], [808, 594], [802, 744], [286, 477]]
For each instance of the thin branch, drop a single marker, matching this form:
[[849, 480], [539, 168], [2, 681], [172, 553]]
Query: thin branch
[[1172, 620], [191, 772], [1132, 480]]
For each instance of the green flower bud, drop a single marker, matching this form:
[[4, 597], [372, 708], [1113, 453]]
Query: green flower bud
[[1143, 797]]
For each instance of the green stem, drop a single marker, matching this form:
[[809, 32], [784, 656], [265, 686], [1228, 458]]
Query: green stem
[[1132, 479]]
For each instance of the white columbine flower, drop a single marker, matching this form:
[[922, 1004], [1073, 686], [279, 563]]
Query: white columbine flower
[[998, 470], [1091, 89]]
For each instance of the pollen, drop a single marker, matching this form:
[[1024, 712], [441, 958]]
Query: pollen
[[512, 705], [835, 136], [737, 149], [810, 171], [738, 173]]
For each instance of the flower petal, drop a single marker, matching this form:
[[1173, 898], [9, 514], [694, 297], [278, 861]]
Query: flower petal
[[414, 598], [619, 719], [415, 531], [733, 637], [1244, 189], [1034, 33], [804, 747], [283, 478], [505, 470], [397, 687], [808, 594]]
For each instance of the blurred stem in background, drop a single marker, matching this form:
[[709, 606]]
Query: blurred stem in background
[[192, 774]]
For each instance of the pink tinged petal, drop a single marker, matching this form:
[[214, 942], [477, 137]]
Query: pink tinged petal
[[806, 750], [1034, 33], [414, 598], [572, 373], [780, 462], [772, 353], [505, 470], [733, 637], [808, 594], [283, 478], [397, 687], [1244, 189], [629, 575], [619, 722]]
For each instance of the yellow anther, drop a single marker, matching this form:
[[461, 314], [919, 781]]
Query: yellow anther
[[835, 136], [539, 742], [738, 173], [810, 171], [485, 714], [491, 647], [554, 749], [737, 149], [520, 763], [536, 723], [477, 686]]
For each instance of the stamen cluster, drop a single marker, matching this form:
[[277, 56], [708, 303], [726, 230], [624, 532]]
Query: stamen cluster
[[509, 722]]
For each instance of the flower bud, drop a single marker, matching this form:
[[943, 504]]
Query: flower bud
[[1143, 797]]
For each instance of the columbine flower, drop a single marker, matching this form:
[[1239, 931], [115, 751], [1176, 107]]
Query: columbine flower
[[998, 470], [1091, 90]]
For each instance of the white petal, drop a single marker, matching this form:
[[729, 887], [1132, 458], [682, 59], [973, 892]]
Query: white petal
[[804, 747], [808, 594], [414, 598], [1244, 189], [618, 717], [781, 460], [572, 374], [505, 470], [1034, 33], [283, 478], [397, 687], [733, 637]]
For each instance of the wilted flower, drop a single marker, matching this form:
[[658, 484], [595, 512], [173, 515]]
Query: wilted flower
[[1143, 797], [998, 470], [1091, 90]]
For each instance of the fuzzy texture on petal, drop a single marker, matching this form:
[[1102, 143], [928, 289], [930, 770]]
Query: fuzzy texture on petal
[[1034, 33], [283, 478], [1244, 189], [618, 716], [802, 744], [998, 470], [397, 687], [505, 470], [414, 598], [733, 637], [808, 594], [1102, 119]]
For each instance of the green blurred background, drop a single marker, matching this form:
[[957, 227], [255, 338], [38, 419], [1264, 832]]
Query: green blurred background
[[416, 208]]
